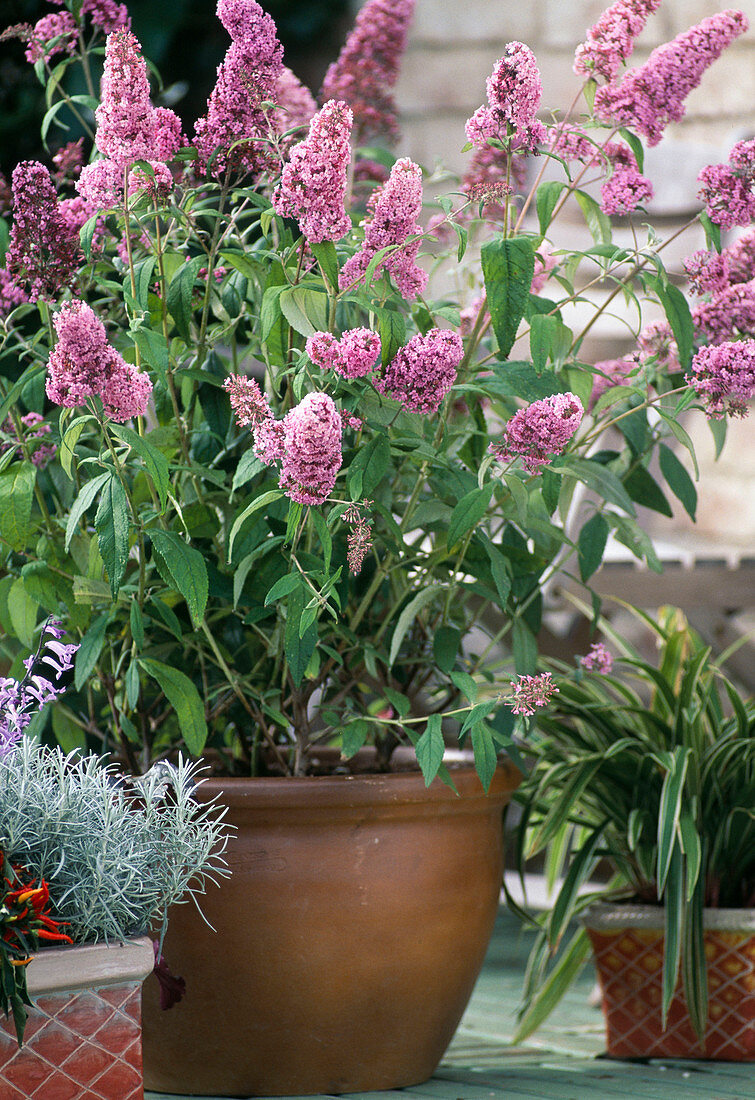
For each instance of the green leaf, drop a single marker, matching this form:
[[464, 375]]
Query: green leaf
[[524, 646], [283, 587], [133, 685], [80, 100], [392, 329], [68, 733], [692, 848], [580, 869], [136, 623], [597, 222], [86, 234], [22, 610], [712, 232], [183, 696], [636, 146], [669, 810], [299, 648], [485, 753], [327, 257], [675, 913], [305, 309], [559, 983], [16, 497], [600, 479], [446, 646], [153, 349], [369, 467], [353, 737], [500, 572], [645, 490], [154, 460], [187, 569], [550, 340], [407, 617], [694, 962], [430, 748], [548, 194], [467, 514], [508, 267], [69, 441], [678, 315], [678, 480], [83, 501], [249, 466], [112, 525], [591, 545], [89, 650], [143, 279], [180, 292], [260, 502]]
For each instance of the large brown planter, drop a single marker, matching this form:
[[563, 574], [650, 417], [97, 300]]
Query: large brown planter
[[347, 942], [628, 942]]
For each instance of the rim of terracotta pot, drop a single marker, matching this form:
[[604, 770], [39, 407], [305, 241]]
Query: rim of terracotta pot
[[82, 966], [321, 792], [608, 917]]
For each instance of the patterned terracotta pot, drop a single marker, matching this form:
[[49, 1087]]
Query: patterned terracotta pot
[[628, 944], [347, 940], [83, 1035]]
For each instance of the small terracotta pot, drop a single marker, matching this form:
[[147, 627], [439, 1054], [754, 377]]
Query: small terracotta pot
[[83, 1035], [347, 942], [628, 943]]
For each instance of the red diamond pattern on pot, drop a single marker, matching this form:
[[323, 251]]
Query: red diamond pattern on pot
[[82, 1046], [630, 968]]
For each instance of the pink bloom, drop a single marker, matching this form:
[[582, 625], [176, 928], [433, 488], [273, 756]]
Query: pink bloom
[[423, 371], [313, 182], [394, 208], [625, 190], [540, 430], [158, 185], [493, 174], [69, 160], [514, 92], [83, 364], [353, 356], [101, 184], [656, 341], [740, 258], [11, 294], [469, 315], [728, 314], [359, 539], [572, 143], [43, 250], [252, 410], [530, 692], [125, 116], [108, 15], [612, 372], [53, 34], [708, 272], [247, 76], [611, 41], [545, 262], [598, 659], [368, 65], [723, 376], [728, 190], [168, 134], [311, 449], [651, 96]]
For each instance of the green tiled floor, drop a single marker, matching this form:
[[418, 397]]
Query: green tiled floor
[[560, 1061]]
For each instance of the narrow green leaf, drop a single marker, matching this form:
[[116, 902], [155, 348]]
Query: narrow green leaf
[[353, 737], [446, 646], [249, 466], [69, 440], [591, 545], [550, 340], [154, 460], [677, 311], [89, 650], [183, 696], [645, 490], [153, 349], [548, 194], [430, 749], [326, 256], [580, 869], [260, 502], [111, 523], [83, 501], [407, 617], [675, 913], [22, 610], [305, 309], [508, 267], [16, 497], [692, 848], [283, 587], [392, 329], [136, 622], [695, 963], [524, 646], [597, 222], [678, 480], [187, 568], [299, 648], [180, 291], [467, 514], [559, 983], [600, 479], [669, 810], [485, 753]]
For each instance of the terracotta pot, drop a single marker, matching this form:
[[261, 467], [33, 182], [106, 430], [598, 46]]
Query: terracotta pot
[[347, 941], [83, 1035], [628, 944]]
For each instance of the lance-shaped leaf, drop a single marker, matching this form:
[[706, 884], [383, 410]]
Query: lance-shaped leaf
[[184, 698], [508, 267], [186, 568], [111, 523]]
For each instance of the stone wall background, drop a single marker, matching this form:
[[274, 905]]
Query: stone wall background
[[452, 47]]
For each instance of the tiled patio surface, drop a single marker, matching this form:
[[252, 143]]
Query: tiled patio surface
[[559, 1062]]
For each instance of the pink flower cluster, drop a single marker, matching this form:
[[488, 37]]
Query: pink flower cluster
[[353, 356], [34, 433], [11, 294], [723, 376], [423, 370], [108, 15], [128, 126], [314, 180], [539, 431], [611, 41], [728, 190], [52, 34], [82, 364], [530, 692], [656, 341], [514, 91], [652, 95], [306, 443], [610, 373], [626, 188], [491, 177], [392, 219], [247, 76], [368, 65], [69, 160], [44, 249], [728, 280], [598, 659]]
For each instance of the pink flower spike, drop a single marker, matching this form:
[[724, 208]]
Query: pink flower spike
[[52, 34], [125, 117], [611, 41], [530, 692], [723, 376], [423, 371], [540, 431], [392, 219], [514, 91], [78, 362], [313, 182], [598, 659], [311, 449], [353, 356], [367, 67], [44, 249], [728, 190]]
